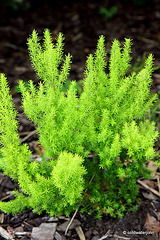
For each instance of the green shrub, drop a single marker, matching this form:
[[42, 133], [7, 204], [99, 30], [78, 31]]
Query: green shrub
[[96, 145]]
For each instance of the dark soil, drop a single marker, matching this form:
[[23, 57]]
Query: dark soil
[[81, 23]]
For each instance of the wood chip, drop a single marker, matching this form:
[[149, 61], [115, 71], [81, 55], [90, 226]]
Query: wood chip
[[75, 223], [53, 219], [20, 69], [22, 233], [45, 231], [1, 218], [5, 234], [158, 182], [64, 218], [107, 234], [59, 237], [80, 233], [121, 237], [149, 195]]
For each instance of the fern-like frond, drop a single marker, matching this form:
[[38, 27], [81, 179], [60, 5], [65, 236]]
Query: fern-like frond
[[68, 176], [9, 138]]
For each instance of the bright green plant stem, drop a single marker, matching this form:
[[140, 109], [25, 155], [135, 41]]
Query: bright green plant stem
[[100, 133]]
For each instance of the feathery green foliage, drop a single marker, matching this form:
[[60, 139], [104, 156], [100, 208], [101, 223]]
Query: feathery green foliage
[[96, 145]]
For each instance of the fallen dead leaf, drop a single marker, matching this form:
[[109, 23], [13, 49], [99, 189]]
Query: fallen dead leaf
[[150, 183], [152, 224]]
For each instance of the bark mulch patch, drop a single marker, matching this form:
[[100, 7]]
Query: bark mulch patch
[[81, 23]]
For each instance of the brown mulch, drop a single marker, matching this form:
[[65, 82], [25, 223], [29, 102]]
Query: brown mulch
[[81, 24]]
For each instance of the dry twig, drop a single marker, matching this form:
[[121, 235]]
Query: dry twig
[[69, 224], [105, 235], [121, 237], [149, 188], [158, 184], [29, 135], [6, 197]]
